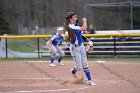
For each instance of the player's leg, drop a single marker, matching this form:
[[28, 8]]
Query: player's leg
[[53, 55], [61, 54], [75, 52], [85, 66]]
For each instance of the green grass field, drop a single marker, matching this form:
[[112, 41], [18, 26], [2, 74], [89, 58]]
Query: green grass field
[[25, 45], [22, 45]]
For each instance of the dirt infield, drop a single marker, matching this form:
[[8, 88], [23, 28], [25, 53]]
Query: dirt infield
[[38, 77]]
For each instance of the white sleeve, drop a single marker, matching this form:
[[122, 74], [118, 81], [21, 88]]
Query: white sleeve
[[53, 37], [62, 35], [74, 27]]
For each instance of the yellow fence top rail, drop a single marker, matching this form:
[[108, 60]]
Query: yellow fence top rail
[[87, 35]]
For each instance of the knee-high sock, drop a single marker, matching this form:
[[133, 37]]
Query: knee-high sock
[[87, 73], [52, 59], [53, 55], [60, 59]]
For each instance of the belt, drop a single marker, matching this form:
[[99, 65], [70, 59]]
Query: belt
[[76, 45]]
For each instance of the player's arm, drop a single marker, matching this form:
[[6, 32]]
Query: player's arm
[[89, 47], [84, 26], [85, 39], [49, 42]]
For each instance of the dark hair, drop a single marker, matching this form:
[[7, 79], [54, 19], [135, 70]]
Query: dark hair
[[71, 34]]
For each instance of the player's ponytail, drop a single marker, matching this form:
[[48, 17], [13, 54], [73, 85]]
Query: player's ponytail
[[71, 34]]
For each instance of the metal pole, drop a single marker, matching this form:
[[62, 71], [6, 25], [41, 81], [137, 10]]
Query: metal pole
[[131, 7], [38, 47], [6, 48], [114, 46]]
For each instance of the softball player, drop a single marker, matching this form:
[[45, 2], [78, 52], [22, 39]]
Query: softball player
[[77, 47], [52, 45]]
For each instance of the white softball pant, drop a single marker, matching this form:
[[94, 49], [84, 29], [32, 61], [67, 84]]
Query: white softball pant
[[79, 56], [57, 49]]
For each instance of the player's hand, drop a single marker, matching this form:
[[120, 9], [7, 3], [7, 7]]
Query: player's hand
[[84, 20]]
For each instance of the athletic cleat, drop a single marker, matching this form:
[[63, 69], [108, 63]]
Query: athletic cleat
[[74, 75], [61, 64], [91, 83], [52, 65]]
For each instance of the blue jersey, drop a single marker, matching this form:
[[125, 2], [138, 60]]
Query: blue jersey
[[76, 29], [56, 39]]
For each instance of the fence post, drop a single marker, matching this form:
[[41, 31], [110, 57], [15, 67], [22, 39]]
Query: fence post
[[38, 47], [114, 46], [6, 48]]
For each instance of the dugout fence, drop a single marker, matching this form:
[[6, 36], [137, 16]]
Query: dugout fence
[[104, 45]]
